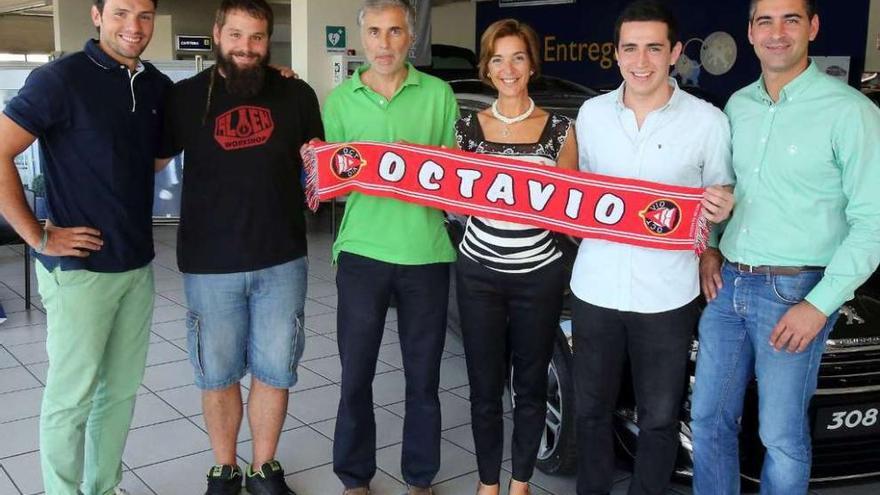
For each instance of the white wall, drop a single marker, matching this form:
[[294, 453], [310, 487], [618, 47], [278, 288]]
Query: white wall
[[872, 53], [455, 24], [196, 17], [26, 34], [308, 21], [161, 47], [452, 24], [73, 24]]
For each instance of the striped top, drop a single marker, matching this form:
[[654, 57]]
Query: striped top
[[507, 246]]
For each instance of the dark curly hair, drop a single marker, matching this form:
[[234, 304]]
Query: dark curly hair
[[258, 9]]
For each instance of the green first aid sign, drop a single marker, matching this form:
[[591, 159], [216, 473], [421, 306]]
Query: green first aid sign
[[335, 39]]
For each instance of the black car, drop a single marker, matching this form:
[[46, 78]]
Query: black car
[[458, 66], [873, 95], [451, 63], [550, 93], [844, 411]]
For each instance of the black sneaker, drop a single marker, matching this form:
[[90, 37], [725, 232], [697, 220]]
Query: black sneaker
[[268, 480], [224, 480]]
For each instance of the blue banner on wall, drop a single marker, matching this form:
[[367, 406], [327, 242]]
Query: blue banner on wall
[[576, 40], [518, 3]]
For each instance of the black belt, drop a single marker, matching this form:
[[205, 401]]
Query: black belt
[[775, 270]]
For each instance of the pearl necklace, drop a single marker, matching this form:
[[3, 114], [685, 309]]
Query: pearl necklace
[[508, 121]]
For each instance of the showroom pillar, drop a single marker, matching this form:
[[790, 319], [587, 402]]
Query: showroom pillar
[[872, 51], [72, 24]]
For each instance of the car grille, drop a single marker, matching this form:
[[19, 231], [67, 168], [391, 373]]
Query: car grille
[[846, 458], [850, 371]]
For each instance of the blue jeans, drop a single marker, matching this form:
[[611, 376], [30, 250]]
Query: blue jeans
[[734, 348], [247, 321]]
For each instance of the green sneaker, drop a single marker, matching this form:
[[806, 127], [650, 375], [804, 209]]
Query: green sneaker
[[224, 479], [268, 480]]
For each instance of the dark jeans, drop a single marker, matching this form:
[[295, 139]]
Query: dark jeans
[[657, 345], [508, 319], [422, 292]]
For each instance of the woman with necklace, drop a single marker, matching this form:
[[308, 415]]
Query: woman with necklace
[[509, 276]]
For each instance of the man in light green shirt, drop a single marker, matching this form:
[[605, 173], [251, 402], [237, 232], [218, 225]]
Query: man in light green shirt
[[386, 247], [804, 235]]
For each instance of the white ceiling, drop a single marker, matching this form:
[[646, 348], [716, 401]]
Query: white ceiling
[[26, 7], [44, 7]]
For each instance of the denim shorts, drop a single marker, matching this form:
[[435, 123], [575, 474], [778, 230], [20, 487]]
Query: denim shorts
[[247, 321]]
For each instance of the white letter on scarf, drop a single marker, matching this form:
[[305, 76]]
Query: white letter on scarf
[[539, 194], [572, 208], [502, 188], [609, 209], [392, 167], [429, 174], [468, 177]]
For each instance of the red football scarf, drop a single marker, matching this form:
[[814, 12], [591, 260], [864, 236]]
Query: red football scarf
[[580, 204]]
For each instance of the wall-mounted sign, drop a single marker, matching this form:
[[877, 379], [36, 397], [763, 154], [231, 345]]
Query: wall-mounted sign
[[335, 39], [192, 43], [521, 3]]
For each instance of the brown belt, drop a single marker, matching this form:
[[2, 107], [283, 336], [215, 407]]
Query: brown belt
[[775, 270]]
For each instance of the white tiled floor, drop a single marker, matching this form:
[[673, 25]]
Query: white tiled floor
[[168, 450]]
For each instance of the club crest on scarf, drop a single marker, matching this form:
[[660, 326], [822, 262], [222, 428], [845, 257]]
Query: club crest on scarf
[[661, 217], [347, 162]]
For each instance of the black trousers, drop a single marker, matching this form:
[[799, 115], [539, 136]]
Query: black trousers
[[508, 319], [365, 287], [657, 345]]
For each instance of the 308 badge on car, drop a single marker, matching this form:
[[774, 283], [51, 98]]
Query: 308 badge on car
[[851, 421]]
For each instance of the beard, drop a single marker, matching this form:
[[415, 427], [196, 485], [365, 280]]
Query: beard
[[244, 82]]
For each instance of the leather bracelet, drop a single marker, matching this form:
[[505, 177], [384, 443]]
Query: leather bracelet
[[43, 241]]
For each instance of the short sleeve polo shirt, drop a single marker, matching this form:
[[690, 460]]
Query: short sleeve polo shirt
[[423, 111], [98, 127]]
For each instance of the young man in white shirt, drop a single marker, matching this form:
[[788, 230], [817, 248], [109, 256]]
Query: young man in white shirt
[[632, 301]]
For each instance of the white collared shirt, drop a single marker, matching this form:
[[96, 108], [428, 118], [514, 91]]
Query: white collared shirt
[[684, 143]]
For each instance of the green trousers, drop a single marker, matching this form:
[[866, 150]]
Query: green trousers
[[98, 334]]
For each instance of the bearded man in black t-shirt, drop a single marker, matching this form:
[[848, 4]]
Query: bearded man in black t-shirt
[[242, 243]]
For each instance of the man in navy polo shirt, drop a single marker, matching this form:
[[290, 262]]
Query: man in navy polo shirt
[[97, 114]]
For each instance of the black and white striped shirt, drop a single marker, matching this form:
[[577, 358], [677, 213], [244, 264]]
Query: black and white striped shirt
[[507, 246]]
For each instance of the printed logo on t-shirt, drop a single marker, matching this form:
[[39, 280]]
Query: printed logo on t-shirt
[[661, 217], [243, 127]]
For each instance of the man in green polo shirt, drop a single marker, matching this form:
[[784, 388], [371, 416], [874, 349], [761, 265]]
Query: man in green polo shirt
[[386, 247], [804, 235]]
